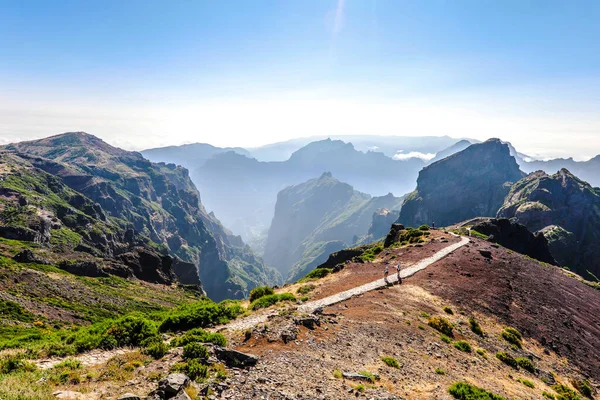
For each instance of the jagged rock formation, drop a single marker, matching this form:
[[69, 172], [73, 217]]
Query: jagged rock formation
[[470, 183], [315, 219], [516, 237], [107, 202], [588, 171], [566, 210]]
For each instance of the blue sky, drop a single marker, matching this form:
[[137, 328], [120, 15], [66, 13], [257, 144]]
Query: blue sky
[[147, 73]]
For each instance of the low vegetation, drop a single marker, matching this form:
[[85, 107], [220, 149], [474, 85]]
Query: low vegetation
[[479, 235], [465, 391], [391, 362], [370, 254], [565, 392], [513, 336], [259, 292], [440, 371], [463, 346], [475, 327], [369, 375], [441, 324], [315, 274], [582, 387], [448, 310], [527, 383], [269, 300], [526, 364], [507, 359], [306, 289]]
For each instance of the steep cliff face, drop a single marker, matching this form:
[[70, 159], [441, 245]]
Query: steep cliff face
[[470, 183], [566, 210], [316, 218], [157, 201]]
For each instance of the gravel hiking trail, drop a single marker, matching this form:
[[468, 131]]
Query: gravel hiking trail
[[309, 307]]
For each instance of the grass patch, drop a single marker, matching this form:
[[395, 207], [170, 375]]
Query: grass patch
[[527, 383], [507, 359], [448, 310], [200, 336], [368, 375], [475, 327], [316, 273], [445, 338], [463, 346], [370, 254], [269, 300], [526, 364], [201, 314], [305, 289], [391, 362], [337, 374], [442, 325], [482, 353], [582, 387], [512, 336], [465, 391], [440, 371], [565, 392], [359, 388], [479, 235]]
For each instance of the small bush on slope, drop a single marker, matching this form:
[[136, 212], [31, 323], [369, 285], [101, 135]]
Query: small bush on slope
[[475, 327], [441, 324], [512, 336], [259, 292], [390, 362], [316, 273], [465, 391]]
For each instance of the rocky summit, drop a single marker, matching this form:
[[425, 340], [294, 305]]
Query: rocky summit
[[566, 210], [470, 183]]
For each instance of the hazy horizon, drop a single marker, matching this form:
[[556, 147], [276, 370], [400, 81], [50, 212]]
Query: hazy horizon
[[143, 74]]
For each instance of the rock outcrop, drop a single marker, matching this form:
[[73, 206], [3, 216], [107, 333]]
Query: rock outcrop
[[468, 184], [516, 237], [566, 210]]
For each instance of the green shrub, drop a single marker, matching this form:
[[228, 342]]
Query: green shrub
[[259, 292], [130, 331], [445, 338], [195, 369], [465, 391], [201, 314], [306, 289], [512, 336], [507, 359], [390, 362], [448, 310], [440, 371], [269, 300], [548, 395], [475, 327], [424, 228], [200, 336], [157, 350], [369, 375], [463, 346], [565, 393], [441, 324], [526, 364], [14, 364], [13, 311], [370, 254], [527, 383], [69, 363], [316, 273], [479, 235], [424, 314], [582, 387], [481, 352], [195, 351], [359, 388], [337, 374]]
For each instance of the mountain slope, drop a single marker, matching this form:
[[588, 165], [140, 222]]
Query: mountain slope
[[188, 154], [566, 210], [156, 201], [588, 171], [470, 183], [316, 218]]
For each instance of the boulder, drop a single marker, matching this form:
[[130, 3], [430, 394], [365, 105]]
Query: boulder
[[83, 268], [171, 387], [358, 377], [234, 358], [27, 257]]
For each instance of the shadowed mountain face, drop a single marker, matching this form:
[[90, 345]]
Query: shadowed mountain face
[[316, 218], [243, 191], [566, 210], [156, 201], [470, 183]]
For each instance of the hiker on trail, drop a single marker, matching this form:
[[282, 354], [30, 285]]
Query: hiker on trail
[[386, 272], [433, 225], [398, 270]]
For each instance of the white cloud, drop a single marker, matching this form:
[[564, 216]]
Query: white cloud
[[413, 154]]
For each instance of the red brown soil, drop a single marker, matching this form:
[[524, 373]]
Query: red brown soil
[[560, 312], [356, 274]]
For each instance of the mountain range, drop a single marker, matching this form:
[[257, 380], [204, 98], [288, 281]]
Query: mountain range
[[116, 198]]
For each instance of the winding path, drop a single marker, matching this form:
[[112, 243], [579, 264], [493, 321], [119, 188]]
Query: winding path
[[309, 307]]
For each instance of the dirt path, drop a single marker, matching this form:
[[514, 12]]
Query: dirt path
[[94, 357], [309, 307]]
